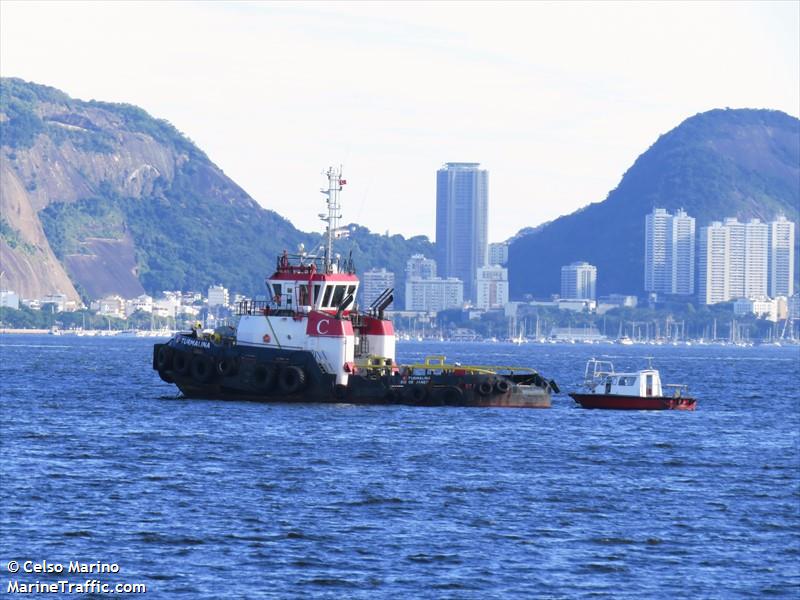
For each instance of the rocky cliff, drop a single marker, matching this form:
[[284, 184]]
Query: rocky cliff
[[100, 198]]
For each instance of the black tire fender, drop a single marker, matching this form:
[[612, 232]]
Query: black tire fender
[[502, 386], [181, 362], [484, 387], [291, 379], [228, 366], [264, 376], [164, 358], [340, 391], [202, 368], [451, 396], [417, 393]]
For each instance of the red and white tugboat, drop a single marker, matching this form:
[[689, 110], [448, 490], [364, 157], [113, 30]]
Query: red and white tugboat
[[641, 390], [310, 343]]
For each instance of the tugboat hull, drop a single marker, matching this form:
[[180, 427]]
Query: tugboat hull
[[202, 369], [617, 402]]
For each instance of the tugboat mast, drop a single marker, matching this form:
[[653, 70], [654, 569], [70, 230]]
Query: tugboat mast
[[332, 231]]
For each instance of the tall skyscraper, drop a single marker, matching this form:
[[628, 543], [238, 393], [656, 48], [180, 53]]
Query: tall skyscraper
[[681, 254], [462, 222], [756, 264], [713, 264], [656, 225], [781, 257], [579, 281], [669, 253]]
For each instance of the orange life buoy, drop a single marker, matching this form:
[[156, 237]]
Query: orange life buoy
[[266, 338]]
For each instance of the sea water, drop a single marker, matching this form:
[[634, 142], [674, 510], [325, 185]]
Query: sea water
[[101, 462]]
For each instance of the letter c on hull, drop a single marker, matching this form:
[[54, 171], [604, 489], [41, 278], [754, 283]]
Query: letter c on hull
[[320, 324]]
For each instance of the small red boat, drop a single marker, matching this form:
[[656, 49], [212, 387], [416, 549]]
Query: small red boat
[[641, 390]]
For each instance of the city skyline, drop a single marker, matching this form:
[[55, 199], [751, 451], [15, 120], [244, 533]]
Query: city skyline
[[419, 67]]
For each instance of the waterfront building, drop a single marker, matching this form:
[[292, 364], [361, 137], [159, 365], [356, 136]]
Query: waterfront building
[[419, 267], [434, 294], [59, 302], [373, 283], [669, 254], [492, 287], [763, 308], [143, 303], [110, 306], [578, 281], [461, 222], [713, 264], [9, 299], [781, 257], [217, 296], [498, 254]]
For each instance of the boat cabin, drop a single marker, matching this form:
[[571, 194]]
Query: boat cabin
[[601, 378], [298, 285]]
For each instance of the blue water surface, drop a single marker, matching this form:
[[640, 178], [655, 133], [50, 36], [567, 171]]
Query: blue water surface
[[101, 461]]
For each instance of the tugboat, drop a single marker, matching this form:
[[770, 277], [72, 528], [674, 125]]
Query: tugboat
[[310, 343], [641, 390]]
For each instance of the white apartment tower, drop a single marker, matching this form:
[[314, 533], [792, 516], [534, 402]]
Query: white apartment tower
[[781, 257], [680, 262], [756, 265], [579, 281], [669, 255], [713, 264], [492, 287], [374, 283], [655, 250]]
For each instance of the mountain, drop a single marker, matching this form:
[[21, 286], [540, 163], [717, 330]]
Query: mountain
[[721, 163], [99, 198]]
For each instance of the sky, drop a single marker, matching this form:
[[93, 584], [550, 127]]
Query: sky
[[556, 100]]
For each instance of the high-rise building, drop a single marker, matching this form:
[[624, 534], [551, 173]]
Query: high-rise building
[[735, 257], [498, 254], [781, 257], [713, 264], [748, 267], [373, 283], [579, 281], [669, 252], [656, 225], [680, 263], [492, 287], [756, 264], [420, 267], [461, 221], [434, 294]]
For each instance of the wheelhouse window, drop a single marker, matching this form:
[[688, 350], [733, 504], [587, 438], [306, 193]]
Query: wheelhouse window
[[316, 292], [338, 296], [327, 297], [276, 292]]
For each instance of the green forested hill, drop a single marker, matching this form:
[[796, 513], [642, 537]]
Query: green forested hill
[[121, 202], [721, 163]]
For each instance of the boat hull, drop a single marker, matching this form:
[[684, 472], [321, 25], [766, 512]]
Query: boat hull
[[201, 369], [617, 402]]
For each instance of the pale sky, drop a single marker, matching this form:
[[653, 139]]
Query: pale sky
[[556, 100]]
